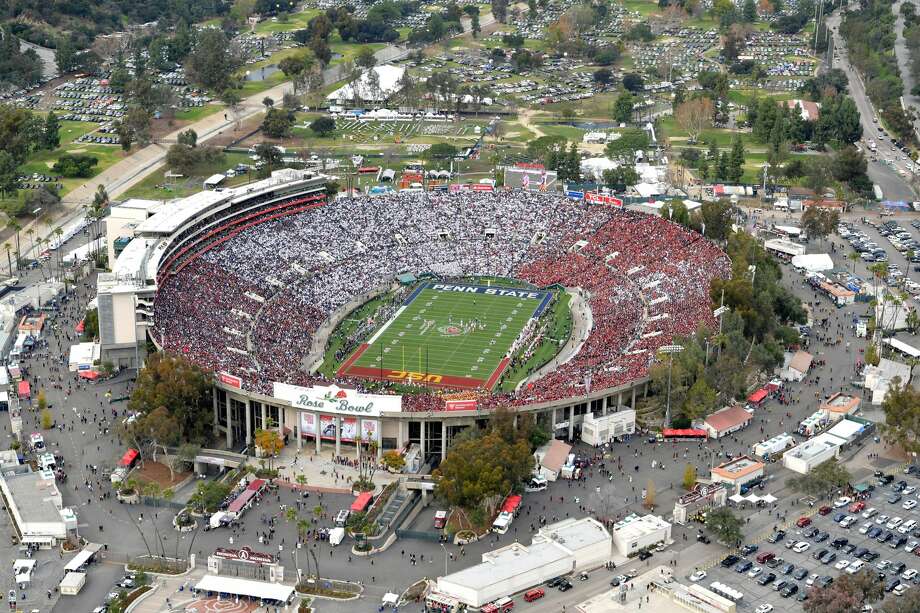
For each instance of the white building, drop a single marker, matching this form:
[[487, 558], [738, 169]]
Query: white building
[[34, 503], [803, 458], [83, 356], [878, 378], [604, 428], [736, 472], [566, 546], [551, 458], [634, 533], [839, 406], [796, 366], [123, 219], [388, 77]]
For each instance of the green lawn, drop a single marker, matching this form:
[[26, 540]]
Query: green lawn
[[457, 338], [288, 23], [198, 112], [643, 7], [72, 130], [158, 187]]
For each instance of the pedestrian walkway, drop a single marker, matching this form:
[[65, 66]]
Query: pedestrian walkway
[[321, 471], [168, 588]]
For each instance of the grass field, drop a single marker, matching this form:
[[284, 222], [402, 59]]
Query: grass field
[[448, 338]]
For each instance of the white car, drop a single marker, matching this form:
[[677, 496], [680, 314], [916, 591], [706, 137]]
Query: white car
[[910, 489], [811, 579], [847, 521], [801, 547], [865, 527], [899, 589], [842, 502], [841, 564], [894, 523], [754, 572], [882, 519], [909, 504], [698, 576], [908, 574], [869, 512], [764, 608], [855, 567]]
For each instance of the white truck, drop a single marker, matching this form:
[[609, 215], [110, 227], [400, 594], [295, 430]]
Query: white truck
[[877, 191], [72, 583], [336, 536]]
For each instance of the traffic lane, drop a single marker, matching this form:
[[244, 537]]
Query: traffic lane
[[100, 580]]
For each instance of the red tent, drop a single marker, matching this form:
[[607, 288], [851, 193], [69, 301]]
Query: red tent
[[128, 458], [25, 391], [92, 375], [758, 396], [511, 504], [80, 326]]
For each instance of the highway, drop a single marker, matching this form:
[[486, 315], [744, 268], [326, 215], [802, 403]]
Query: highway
[[892, 169]]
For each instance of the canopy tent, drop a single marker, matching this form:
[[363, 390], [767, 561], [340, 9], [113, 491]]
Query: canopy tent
[[243, 587], [737, 498], [753, 498], [769, 499], [91, 375], [390, 599], [813, 262]]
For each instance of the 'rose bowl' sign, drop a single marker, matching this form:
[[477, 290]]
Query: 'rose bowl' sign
[[244, 554]]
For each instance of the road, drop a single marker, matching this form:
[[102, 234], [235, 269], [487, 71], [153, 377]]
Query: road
[[903, 56], [890, 170]]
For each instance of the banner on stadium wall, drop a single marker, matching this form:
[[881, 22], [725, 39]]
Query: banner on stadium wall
[[460, 405], [308, 424], [369, 431], [595, 198], [228, 379], [333, 399], [482, 187], [574, 195], [327, 428]]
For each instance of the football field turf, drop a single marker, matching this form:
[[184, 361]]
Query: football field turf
[[448, 335]]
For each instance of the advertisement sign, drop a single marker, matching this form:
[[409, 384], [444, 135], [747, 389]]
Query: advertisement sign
[[333, 399], [595, 198], [228, 379], [575, 195], [369, 430], [349, 428], [482, 187], [244, 554], [327, 428], [308, 424], [461, 405]]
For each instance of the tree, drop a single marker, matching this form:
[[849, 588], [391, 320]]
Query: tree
[[689, 477], [212, 60], [717, 219], [621, 177], [180, 386], [630, 140], [701, 398], [736, 161], [270, 442], [603, 76], [623, 107], [47, 420], [482, 470], [724, 526], [323, 126], [694, 116], [394, 461], [189, 138], [902, 419], [749, 11], [9, 174], [910, 601], [500, 10], [819, 222], [269, 155], [441, 151], [50, 133], [278, 123], [649, 500], [125, 135], [365, 58], [847, 594], [633, 82], [209, 495], [268, 102], [822, 480]]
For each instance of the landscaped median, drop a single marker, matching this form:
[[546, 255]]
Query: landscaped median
[[329, 588]]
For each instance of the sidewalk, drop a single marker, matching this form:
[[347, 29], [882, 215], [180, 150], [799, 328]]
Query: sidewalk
[[321, 471], [168, 588]]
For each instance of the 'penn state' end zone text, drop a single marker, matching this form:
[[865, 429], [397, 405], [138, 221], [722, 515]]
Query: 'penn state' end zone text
[[490, 291]]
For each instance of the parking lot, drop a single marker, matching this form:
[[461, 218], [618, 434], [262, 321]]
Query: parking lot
[[840, 548]]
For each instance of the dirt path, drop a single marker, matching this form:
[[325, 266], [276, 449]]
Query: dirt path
[[524, 118]]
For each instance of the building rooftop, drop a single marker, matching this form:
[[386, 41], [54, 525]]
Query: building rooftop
[[728, 418], [34, 496], [555, 455], [814, 447], [574, 534], [737, 468], [633, 526], [840, 403], [506, 563]]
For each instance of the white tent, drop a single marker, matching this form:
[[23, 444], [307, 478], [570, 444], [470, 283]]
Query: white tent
[[813, 262], [388, 77], [245, 587], [737, 498], [596, 166], [769, 499], [753, 498]]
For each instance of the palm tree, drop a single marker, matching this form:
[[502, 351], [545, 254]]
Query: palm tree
[[301, 480], [59, 232], [853, 257], [31, 234], [9, 260], [16, 226]]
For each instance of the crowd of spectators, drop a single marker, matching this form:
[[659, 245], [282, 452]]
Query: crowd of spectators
[[250, 303]]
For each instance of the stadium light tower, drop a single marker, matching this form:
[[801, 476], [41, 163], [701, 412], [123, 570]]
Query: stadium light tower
[[670, 350]]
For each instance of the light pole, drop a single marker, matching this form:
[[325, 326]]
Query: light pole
[[445, 557], [670, 350]]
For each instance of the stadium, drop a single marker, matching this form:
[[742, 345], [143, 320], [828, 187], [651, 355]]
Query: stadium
[[404, 318]]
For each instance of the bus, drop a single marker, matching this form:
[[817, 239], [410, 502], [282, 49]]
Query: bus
[[683, 434]]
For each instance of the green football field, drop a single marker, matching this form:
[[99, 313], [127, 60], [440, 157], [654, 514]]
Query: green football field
[[447, 338]]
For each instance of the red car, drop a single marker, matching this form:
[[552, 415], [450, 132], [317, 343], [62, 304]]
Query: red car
[[803, 521], [857, 506], [824, 510]]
